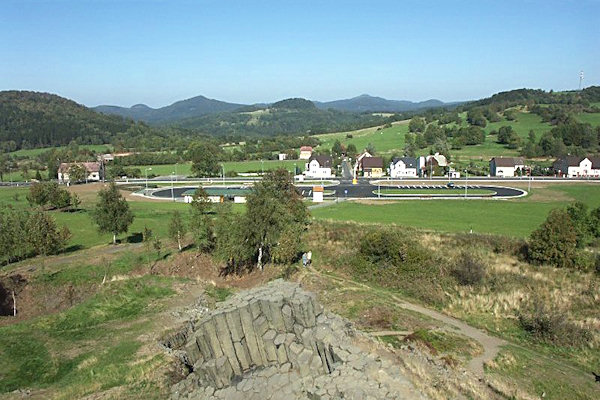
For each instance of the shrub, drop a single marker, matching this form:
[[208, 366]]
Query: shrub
[[584, 261], [496, 243], [555, 241], [48, 194], [597, 264], [551, 325], [387, 257], [469, 268]]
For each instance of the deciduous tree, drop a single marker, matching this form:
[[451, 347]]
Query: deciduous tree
[[112, 213], [555, 241], [177, 229]]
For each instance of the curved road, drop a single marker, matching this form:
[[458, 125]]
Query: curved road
[[365, 190]]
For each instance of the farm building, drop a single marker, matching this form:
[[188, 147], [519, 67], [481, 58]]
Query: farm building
[[507, 166], [94, 170], [573, 166], [432, 164]]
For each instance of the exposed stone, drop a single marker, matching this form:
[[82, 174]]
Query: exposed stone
[[276, 342]]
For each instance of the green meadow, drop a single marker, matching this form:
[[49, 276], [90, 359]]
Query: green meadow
[[385, 140], [391, 140], [517, 218], [236, 166]]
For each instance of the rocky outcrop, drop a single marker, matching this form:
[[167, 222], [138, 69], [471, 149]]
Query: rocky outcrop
[[276, 342]]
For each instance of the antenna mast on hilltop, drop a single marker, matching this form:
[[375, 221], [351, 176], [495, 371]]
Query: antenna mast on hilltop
[[580, 79]]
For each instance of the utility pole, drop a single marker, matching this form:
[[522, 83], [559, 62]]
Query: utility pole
[[466, 183], [146, 170], [172, 192]]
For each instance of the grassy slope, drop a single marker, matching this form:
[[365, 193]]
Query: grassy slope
[[391, 140], [153, 214], [35, 152], [513, 218], [92, 346], [385, 140]]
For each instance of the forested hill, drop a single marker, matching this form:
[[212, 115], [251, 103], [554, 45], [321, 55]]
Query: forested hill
[[33, 119], [285, 117], [194, 107], [364, 103], [536, 96]]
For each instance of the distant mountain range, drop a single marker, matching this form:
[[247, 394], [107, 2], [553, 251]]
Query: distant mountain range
[[200, 106], [190, 108], [366, 103]]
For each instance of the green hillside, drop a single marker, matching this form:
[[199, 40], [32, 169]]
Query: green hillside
[[32, 119], [287, 117]]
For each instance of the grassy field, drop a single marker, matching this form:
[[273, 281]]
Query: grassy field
[[426, 192], [151, 214], [236, 166], [385, 140], [505, 217], [591, 118]]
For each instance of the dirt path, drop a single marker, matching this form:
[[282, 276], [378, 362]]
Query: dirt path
[[491, 345]]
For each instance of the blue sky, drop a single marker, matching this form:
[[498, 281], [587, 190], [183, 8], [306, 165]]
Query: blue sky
[[157, 52]]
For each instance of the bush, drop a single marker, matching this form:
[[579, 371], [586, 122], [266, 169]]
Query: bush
[[496, 243], [551, 325], [387, 257], [584, 261], [49, 194], [555, 241], [469, 268], [597, 264]]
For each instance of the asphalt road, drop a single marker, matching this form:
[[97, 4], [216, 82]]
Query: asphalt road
[[364, 190]]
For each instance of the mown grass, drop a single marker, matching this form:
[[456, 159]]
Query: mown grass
[[235, 166], [90, 347], [517, 218], [417, 191]]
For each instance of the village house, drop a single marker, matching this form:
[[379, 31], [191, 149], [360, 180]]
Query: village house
[[95, 171], [372, 167], [319, 167], [106, 157], [432, 164], [358, 164], [305, 152], [402, 167], [507, 166], [574, 166]]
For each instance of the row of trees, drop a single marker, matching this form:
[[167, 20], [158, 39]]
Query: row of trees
[[24, 234], [271, 229], [51, 196]]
